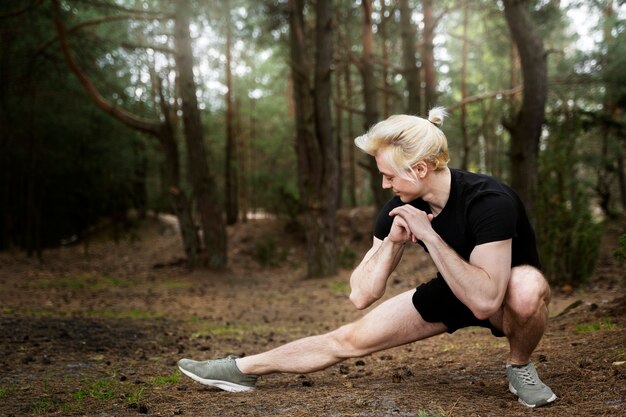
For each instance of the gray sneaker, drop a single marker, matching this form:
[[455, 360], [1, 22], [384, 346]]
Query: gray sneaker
[[221, 373], [525, 383]]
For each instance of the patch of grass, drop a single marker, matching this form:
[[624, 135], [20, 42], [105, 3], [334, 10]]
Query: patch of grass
[[238, 331], [102, 389], [173, 284], [425, 413], [125, 314], [135, 396], [3, 392], [43, 406], [595, 326], [85, 281], [173, 378], [340, 288], [228, 330]]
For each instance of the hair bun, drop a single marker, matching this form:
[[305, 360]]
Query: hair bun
[[436, 115]]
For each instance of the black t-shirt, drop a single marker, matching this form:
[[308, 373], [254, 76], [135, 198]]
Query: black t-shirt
[[479, 210]]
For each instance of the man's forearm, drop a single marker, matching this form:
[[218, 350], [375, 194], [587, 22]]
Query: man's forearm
[[369, 279], [471, 284]]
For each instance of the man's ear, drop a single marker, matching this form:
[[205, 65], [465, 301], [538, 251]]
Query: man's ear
[[420, 169]]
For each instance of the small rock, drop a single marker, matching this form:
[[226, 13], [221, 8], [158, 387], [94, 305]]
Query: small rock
[[396, 378]]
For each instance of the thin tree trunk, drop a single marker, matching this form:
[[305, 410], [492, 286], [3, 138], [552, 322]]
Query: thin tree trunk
[[382, 29], [527, 124], [464, 133], [410, 70], [339, 134], [232, 185], [370, 98], [351, 148], [207, 201], [428, 57], [328, 171]]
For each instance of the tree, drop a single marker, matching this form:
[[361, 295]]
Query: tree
[[410, 70], [232, 156], [208, 203], [370, 98], [315, 147], [163, 131], [428, 56], [525, 126]]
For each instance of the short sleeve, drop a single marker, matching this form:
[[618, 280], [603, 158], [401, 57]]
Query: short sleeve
[[382, 227], [492, 217]]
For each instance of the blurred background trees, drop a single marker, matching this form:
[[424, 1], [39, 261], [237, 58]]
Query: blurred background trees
[[234, 149]]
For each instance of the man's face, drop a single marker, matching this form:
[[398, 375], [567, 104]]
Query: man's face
[[403, 188]]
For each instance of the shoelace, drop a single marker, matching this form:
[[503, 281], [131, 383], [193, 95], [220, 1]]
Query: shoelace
[[525, 375]]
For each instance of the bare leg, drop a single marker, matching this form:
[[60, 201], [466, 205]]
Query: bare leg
[[524, 314], [393, 323]]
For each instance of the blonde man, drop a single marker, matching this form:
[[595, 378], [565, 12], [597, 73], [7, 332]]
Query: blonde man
[[477, 233]]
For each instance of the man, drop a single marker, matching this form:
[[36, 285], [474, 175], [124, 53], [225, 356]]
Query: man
[[479, 237]]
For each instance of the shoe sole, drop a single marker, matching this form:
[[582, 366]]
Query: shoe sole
[[223, 385], [548, 401]]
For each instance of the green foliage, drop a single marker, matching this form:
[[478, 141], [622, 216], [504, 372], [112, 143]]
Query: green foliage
[[65, 166], [620, 254], [173, 378], [3, 392], [135, 396], [595, 326], [347, 257], [102, 389], [340, 288], [267, 252], [567, 233]]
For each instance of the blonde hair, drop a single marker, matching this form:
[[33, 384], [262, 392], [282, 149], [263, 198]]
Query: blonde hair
[[403, 140]]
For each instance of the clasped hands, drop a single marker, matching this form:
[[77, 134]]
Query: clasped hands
[[410, 224]]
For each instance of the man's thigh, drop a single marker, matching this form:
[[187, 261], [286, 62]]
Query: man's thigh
[[528, 289], [393, 323]]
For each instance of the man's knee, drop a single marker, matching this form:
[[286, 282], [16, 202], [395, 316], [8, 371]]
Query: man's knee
[[528, 291], [348, 341]]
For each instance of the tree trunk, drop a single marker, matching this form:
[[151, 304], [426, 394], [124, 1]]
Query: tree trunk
[[232, 185], [464, 133], [428, 57], [328, 171], [351, 148], [207, 201], [339, 134], [370, 99], [384, 51], [526, 125], [315, 147], [409, 51]]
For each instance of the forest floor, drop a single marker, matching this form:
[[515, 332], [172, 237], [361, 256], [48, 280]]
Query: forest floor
[[97, 330]]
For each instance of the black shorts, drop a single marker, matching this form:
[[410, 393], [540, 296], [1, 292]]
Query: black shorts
[[436, 303]]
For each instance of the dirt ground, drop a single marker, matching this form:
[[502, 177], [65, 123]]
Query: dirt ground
[[97, 331]]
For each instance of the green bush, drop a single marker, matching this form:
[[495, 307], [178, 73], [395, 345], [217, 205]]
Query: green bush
[[568, 235]]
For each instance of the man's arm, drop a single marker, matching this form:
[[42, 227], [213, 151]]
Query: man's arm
[[481, 283], [369, 280]]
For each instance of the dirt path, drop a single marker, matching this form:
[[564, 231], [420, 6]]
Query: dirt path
[[100, 336]]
